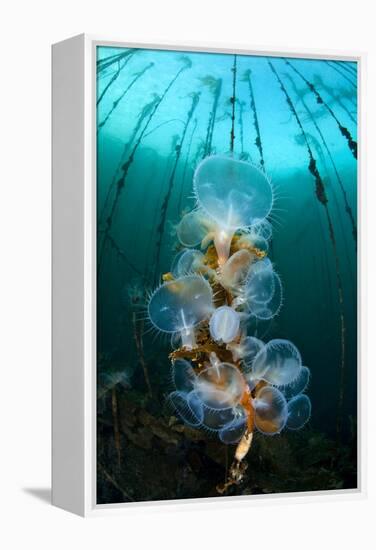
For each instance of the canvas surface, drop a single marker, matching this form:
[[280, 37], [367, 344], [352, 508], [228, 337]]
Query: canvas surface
[[226, 296]]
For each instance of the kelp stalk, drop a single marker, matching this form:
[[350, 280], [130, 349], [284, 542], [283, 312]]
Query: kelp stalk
[[115, 76], [338, 71], [322, 198], [126, 166], [353, 146], [186, 165], [336, 98], [243, 155], [123, 94], [120, 186], [115, 420], [258, 142], [137, 334], [348, 209], [166, 200], [149, 268], [106, 62], [215, 86], [233, 100], [113, 482], [121, 254], [347, 67], [145, 112]]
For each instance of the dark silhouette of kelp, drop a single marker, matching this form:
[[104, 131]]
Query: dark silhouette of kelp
[[243, 154], [161, 124], [145, 112], [149, 268], [215, 86], [121, 254], [348, 209], [346, 66], [126, 166], [340, 72], [353, 146], [322, 198], [233, 101], [166, 200], [104, 63], [182, 186], [336, 98], [123, 94], [258, 142], [115, 76]]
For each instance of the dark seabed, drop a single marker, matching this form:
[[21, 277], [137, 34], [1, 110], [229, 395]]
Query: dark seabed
[[159, 113]]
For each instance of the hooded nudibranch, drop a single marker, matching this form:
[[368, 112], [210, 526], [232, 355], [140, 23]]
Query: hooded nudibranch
[[234, 194], [278, 362], [224, 324], [227, 381], [220, 386], [246, 350], [271, 410], [221, 399], [297, 386], [262, 229], [191, 229], [180, 305], [299, 411], [260, 285], [261, 292], [186, 262], [235, 271]]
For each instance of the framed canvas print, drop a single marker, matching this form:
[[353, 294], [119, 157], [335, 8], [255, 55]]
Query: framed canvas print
[[205, 282]]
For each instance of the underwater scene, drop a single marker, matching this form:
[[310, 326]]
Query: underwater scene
[[226, 274]]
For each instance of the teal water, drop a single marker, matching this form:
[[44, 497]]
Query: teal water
[[280, 116]]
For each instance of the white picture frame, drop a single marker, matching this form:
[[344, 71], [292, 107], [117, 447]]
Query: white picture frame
[[74, 278]]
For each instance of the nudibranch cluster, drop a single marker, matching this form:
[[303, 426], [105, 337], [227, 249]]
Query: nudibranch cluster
[[226, 380]]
